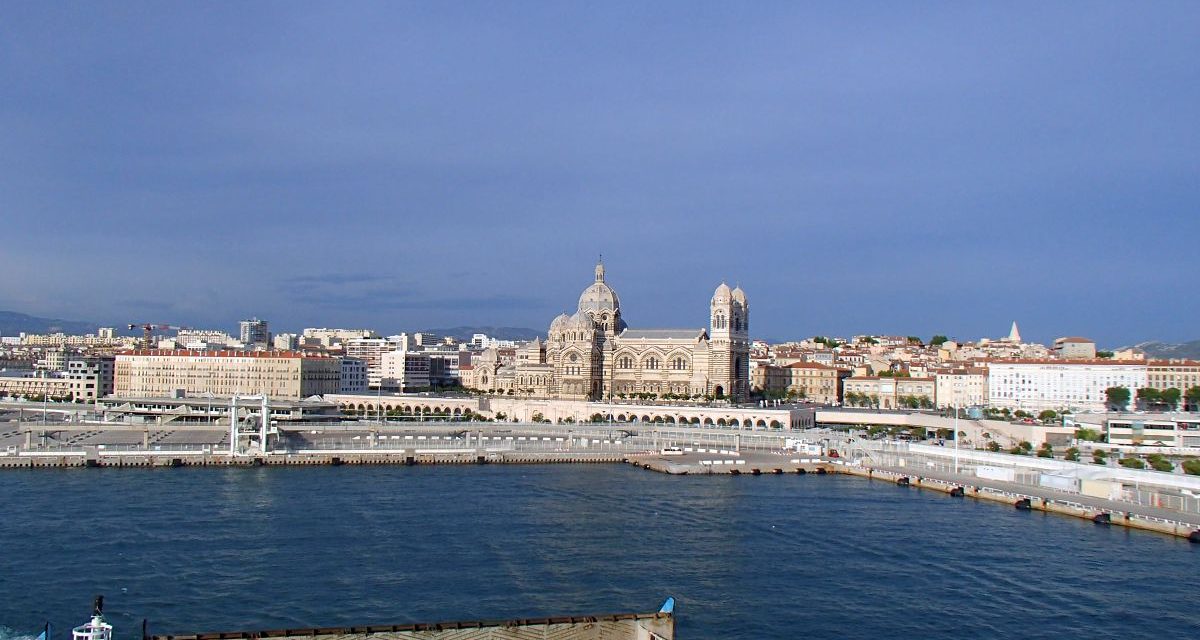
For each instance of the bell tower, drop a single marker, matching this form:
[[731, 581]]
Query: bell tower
[[721, 336]]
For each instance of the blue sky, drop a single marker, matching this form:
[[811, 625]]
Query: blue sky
[[908, 168]]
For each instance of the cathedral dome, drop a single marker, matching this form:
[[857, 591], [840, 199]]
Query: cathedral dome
[[559, 323], [599, 296], [722, 293], [579, 321]]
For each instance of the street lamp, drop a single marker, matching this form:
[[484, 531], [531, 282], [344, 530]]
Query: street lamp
[[956, 438]]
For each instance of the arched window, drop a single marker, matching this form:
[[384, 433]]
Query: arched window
[[679, 364], [651, 362], [625, 362]]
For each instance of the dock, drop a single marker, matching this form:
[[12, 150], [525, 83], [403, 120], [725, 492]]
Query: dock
[[659, 625]]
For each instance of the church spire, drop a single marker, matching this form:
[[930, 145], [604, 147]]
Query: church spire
[[1013, 334]]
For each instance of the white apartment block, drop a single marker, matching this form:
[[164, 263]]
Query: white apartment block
[[405, 370], [1036, 385], [333, 337], [203, 338], [106, 337], [370, 350]]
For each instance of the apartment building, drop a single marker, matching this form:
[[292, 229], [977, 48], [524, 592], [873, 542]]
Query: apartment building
[[1036, 385], [961, 387], [405, 370], [1177, 374], [889, 392], [278, 374]]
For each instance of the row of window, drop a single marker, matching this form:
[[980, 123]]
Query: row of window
[[652, 362]]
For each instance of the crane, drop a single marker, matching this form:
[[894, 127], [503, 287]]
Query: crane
[[148, 331]]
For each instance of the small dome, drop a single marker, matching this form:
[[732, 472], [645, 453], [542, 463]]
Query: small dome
[[559, 323], [579, 321], [722, 293], [739, 296]]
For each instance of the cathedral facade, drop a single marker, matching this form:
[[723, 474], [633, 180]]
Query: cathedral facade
[[593, 355]]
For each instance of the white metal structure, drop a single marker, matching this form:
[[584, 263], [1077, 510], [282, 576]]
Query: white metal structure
[[243, 435], [96, 628]]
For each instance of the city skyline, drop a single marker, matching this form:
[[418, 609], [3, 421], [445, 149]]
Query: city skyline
[[407, 166]]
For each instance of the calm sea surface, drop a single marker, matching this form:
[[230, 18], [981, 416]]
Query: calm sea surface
[[746, 557]]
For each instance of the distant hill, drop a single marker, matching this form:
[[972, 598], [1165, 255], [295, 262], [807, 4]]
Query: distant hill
[[501, 333], [13, 323], [1165, 350]]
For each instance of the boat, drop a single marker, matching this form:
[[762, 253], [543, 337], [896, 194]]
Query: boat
[[659, 625]]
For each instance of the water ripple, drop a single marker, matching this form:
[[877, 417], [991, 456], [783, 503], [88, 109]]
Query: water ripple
[[768, 557]]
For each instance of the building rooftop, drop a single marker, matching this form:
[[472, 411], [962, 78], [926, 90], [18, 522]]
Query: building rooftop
[[223, 353], [661, 334]]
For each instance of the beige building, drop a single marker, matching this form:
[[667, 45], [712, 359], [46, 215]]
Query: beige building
[[593, 355], [278, 374], [1177, 374], [961, 387], [1074, 348], [802, 380], [889, 393]]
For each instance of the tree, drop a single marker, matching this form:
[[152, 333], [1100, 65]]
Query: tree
[[1104, 354], [1159, 462], [1025, 446], [1045, 451], [1022, 414], [938, 340], [1192, 467], [1047, 415], [1170, 397], [1118, 397], [1192, 396], [914, 340], [993, 446], [1148, 396], [1088, 435], [1132, 463], [1071, 455], [1099, 456]]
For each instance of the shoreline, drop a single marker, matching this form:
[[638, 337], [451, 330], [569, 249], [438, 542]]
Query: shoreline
[[1028, 498]]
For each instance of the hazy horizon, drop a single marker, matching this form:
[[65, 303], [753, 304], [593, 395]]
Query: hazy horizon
[[870, 168]]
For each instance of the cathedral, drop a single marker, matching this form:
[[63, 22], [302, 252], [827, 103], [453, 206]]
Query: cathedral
[[593, 355]]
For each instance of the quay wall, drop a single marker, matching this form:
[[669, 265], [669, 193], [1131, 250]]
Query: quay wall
[[1059, 506]]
